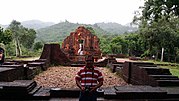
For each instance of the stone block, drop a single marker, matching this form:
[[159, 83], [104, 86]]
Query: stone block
[[140, 92], [110, 93], [60, 92], [9, 74], [38, 64]]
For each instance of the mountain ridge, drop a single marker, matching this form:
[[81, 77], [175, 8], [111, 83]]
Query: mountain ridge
[[51, 32], [34, 24], [63, 29]]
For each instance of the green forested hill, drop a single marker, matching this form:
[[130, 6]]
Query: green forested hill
[[58, 32], [36, 24], [55, 33], [33, 24], [115, 28]]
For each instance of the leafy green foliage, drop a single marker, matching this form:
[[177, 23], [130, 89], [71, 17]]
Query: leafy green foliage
[[5, 36], [23, 37], [38, 45], [10, 49], [159, 27], [156, 9], [119, 45], [136, 46], [27, 38], [173, 69], [104, 45]]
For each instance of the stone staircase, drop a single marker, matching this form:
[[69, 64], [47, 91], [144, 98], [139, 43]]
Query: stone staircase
[[20, 70], [18, 89], [148, 74], [162, 76], [29, 90]]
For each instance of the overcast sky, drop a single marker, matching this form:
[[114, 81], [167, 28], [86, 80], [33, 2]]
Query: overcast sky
[[81, 11]]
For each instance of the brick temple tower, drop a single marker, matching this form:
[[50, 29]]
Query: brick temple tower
[[80, 43]]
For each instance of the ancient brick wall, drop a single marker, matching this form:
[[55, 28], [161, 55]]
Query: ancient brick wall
[[81, 42], [54, 55], [135, 75]]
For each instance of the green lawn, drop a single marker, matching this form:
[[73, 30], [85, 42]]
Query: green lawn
[[22, 58], [173, 69]]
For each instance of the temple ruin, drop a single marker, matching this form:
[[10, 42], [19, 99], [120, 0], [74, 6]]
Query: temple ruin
[[147, 81], [80, 43]]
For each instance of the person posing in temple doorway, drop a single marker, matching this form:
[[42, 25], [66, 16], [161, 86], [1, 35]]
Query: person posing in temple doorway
[[2, 56], [88, 79]]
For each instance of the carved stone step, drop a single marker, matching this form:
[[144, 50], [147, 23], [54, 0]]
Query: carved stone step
[[140, 92], [142, 63], [9, 74], [157, 71], [35, 90], [58, 92], [9, 63], [38, 64], [20, 86], [12, 66], [164, 77], [168, 82], [110, 93]]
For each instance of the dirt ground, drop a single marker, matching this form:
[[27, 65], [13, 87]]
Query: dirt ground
[[64, 77]]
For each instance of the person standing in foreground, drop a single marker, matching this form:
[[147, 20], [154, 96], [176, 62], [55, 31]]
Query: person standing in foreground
[[88, 79]]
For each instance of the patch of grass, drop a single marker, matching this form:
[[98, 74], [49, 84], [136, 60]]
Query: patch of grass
[[22, 58], [175, 72], [173, 69], [159, 62], [27, 58]]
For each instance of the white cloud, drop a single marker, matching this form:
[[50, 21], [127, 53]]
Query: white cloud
[[82, 11]]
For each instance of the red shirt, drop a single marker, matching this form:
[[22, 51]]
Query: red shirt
[[89, 77]]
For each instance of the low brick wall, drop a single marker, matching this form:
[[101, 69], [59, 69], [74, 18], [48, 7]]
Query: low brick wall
[[137, 76], [10, 74]]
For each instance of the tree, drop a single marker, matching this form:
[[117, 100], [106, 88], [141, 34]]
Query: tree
[[38, 45], [153, 10], [5, 36], [119, 45], [156, 9], [158, 26], [27, 37], [135, 44], [105, 45], [160, 34], [21, 36], [116, 49], [15, 28]]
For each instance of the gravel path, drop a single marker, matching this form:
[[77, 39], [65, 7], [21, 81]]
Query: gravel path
[[64, 77]]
